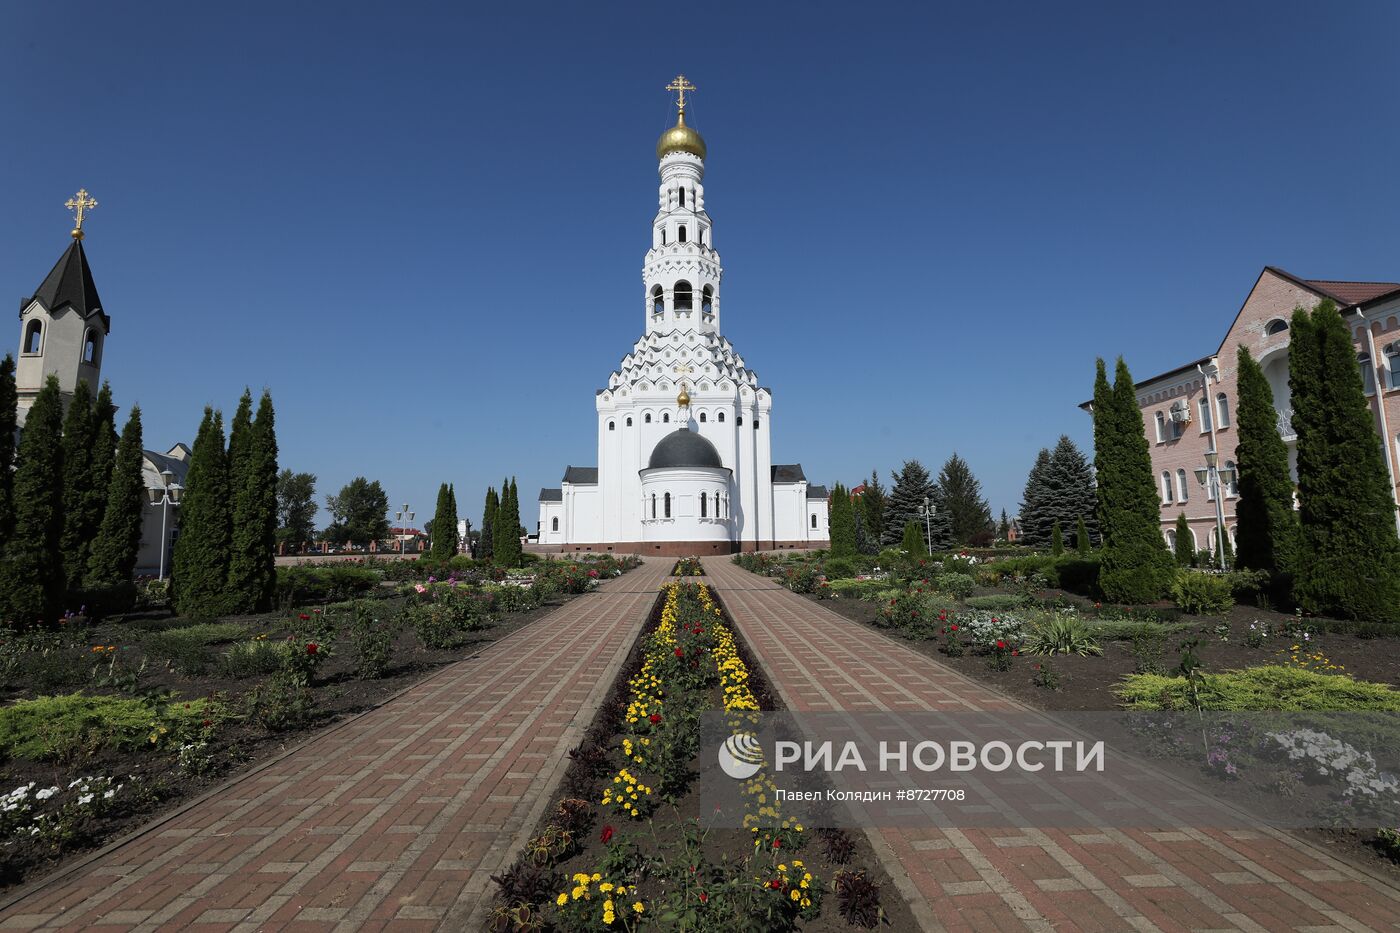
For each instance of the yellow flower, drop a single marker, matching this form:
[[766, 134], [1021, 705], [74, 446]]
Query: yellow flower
[[637, 907], [605, 887], [796, 896], [562, 899]]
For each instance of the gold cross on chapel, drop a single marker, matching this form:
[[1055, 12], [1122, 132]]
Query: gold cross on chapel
[[680, 86], [682, 368], [80, 203]]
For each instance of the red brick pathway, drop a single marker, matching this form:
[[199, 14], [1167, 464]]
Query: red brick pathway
[[393, 820], [1028, 878]]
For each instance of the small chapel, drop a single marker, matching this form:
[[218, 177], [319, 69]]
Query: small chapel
[[685, 465]]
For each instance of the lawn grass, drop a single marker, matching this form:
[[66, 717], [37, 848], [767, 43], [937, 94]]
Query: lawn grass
[[1263, 688], [60, 727]]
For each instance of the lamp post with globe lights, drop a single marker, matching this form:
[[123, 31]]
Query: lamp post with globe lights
[[926, 512], [405, 518], [1216, 479], [167, 496]]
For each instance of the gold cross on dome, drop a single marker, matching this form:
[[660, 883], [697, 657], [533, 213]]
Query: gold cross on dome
[[682, 368], [680, 86], [81, 203]]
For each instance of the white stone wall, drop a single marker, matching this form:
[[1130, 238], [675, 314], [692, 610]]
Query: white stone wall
[[60, 353], [685, 487]]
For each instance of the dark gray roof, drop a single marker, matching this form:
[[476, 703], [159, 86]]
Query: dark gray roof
[[817, 492], [69, 283], [551, 495], [165, 462], [788, 473], [581, 476], [684, 448]]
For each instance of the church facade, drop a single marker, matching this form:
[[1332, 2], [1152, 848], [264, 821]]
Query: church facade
[[685, 463]]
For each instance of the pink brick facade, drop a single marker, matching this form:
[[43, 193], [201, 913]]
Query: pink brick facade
[[1178, 451]]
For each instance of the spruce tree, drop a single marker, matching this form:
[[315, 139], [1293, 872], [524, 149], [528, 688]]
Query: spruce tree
[[1003, 527], [1082, 542], [1069, 484], [912, 542], [863, 544], [1057, 540], [1350, 556], [118, 542], [961, 496], [245, 527], [872, 503], [444, 543], [9, 426], [912, 485], [266, 470], [1185, 550], [31, 573], [1135, 567], [200, 569], [1267, 533], [486, 549], [79, 504], [1035, 503], [841, 519]]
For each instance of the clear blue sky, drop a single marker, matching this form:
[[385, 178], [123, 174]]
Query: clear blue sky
[[422, 226]]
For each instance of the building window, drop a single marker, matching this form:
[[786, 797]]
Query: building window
[[666, 501], [1171, 539], [1368, 373], [682, 193], [658, 300], [90, 347], [663, 235], [702, 417], [1166, 488], [647, 417], [704, 506], [755, 424], [554, 523], [1277, 326], [629, 422], [739, 421], [1203, 406], [1161, 427], [1177, 428], [34, 337], [719, 506], [1232, 488], [721, 417], [1222, 411], [1181, 491], [707, 299], [665, 417], [814, 519], [612, 426], [681, 295], [1392, 363], [653, 505], [680, 234]]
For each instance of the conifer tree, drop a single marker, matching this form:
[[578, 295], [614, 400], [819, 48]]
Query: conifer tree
[[78, 501], [1035, 503], [1267, 534], [31, 573], [452, 510], [841, 519], [245, 525], [1185, 549], [9, 415], [486, 549], [507, 528], [1349, 556], [444, 543], [1082, 542], [872, 503], [911, 485], [103, 459], [961, 495], [118, 542], [266, 470], [1135, 567], [1057, 540], [863, 545], [199, 571], [1003, 527], [912, 542], [1070, 486]]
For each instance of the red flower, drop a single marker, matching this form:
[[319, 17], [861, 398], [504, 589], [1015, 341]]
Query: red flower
[[655, 718], [1001, 644], [704, 898], [312, 648], [777, 843], [607, 833], [304, 617], [1014, 652], [680, 653], [955, 626], [207, 723]]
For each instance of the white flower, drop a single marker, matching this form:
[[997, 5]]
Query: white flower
[[46, 793], [85, 799], [108, 795]]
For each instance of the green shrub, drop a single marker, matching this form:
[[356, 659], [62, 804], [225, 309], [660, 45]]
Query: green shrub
[[1075, 574], [372, 639], [904, 610], [187, 650], [99, 602], [1199, 593], [1286, 689], [997, 602], [303, 584], [255, 658], [890, 558], [959, 565], [1061, 634], [957, 585], [839, 568], [510, 598], [861, 589], [283, 701], [77, 725]]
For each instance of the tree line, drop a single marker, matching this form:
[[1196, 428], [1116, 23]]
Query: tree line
[[876, 518]]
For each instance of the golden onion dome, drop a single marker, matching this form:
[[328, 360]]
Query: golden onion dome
[[683, 400], [680, 138]]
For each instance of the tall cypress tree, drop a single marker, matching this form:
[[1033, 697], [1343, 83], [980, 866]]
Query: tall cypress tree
[[1136, 567], [118, 541], [487, 540], [1267, 534], [961, 496], [842, 523], [104, 457], [1003, 526], [80, 515], [9, 425], [265, 468], [31, 574], [501, 548], [1350, 556], [1185, 551], [1035, 503], [508, 546], [245, 527], [1082, 542], [912, 541], [1057, 540], [444, 542], [872, 503], [200, 570]]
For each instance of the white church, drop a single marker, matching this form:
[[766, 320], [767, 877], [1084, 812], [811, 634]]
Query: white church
[[685, 465]]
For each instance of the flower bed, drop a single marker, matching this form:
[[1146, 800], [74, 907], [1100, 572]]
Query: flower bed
[[688, 567], [621, 850]]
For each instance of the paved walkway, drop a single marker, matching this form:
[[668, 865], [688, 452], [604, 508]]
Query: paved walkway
[[1183, 879], [392, 820]]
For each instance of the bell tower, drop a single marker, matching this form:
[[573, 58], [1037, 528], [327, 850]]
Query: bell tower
[[63, 328]]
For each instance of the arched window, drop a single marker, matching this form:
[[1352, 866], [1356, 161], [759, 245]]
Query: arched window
[[665, 417], [680, 234], [647, 418], [667, 503], [1277, 326], [1171, 539], [739, 421], [702, 417], [90, 347], [704, 506], [554, 524], [707, 299], [1232, 488], [814, 519], [755, 424], [681, 295], [1166, 488], [1203, 406], [1161, 427], [629, 422], [1181, 491], [719, 505], [34, 337], [653, 505], [612, 426], [682, 192], [721, 417], [658, 300], [1392, 363], [1222, 411], [1368, 373], [663, 235]]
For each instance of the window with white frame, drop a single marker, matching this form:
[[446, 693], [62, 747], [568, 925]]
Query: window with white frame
[[1232, 488], [1392, 363], [1203, 406], [1368, 373], [1181, 489], [1161, 427], [1166, 488], [1222, 411]]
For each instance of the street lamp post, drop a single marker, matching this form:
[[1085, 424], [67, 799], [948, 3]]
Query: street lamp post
[[926, 513], [1215, 479], [405, 518], [167, 495]]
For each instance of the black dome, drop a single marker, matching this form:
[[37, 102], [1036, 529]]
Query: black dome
[[684, 449]]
